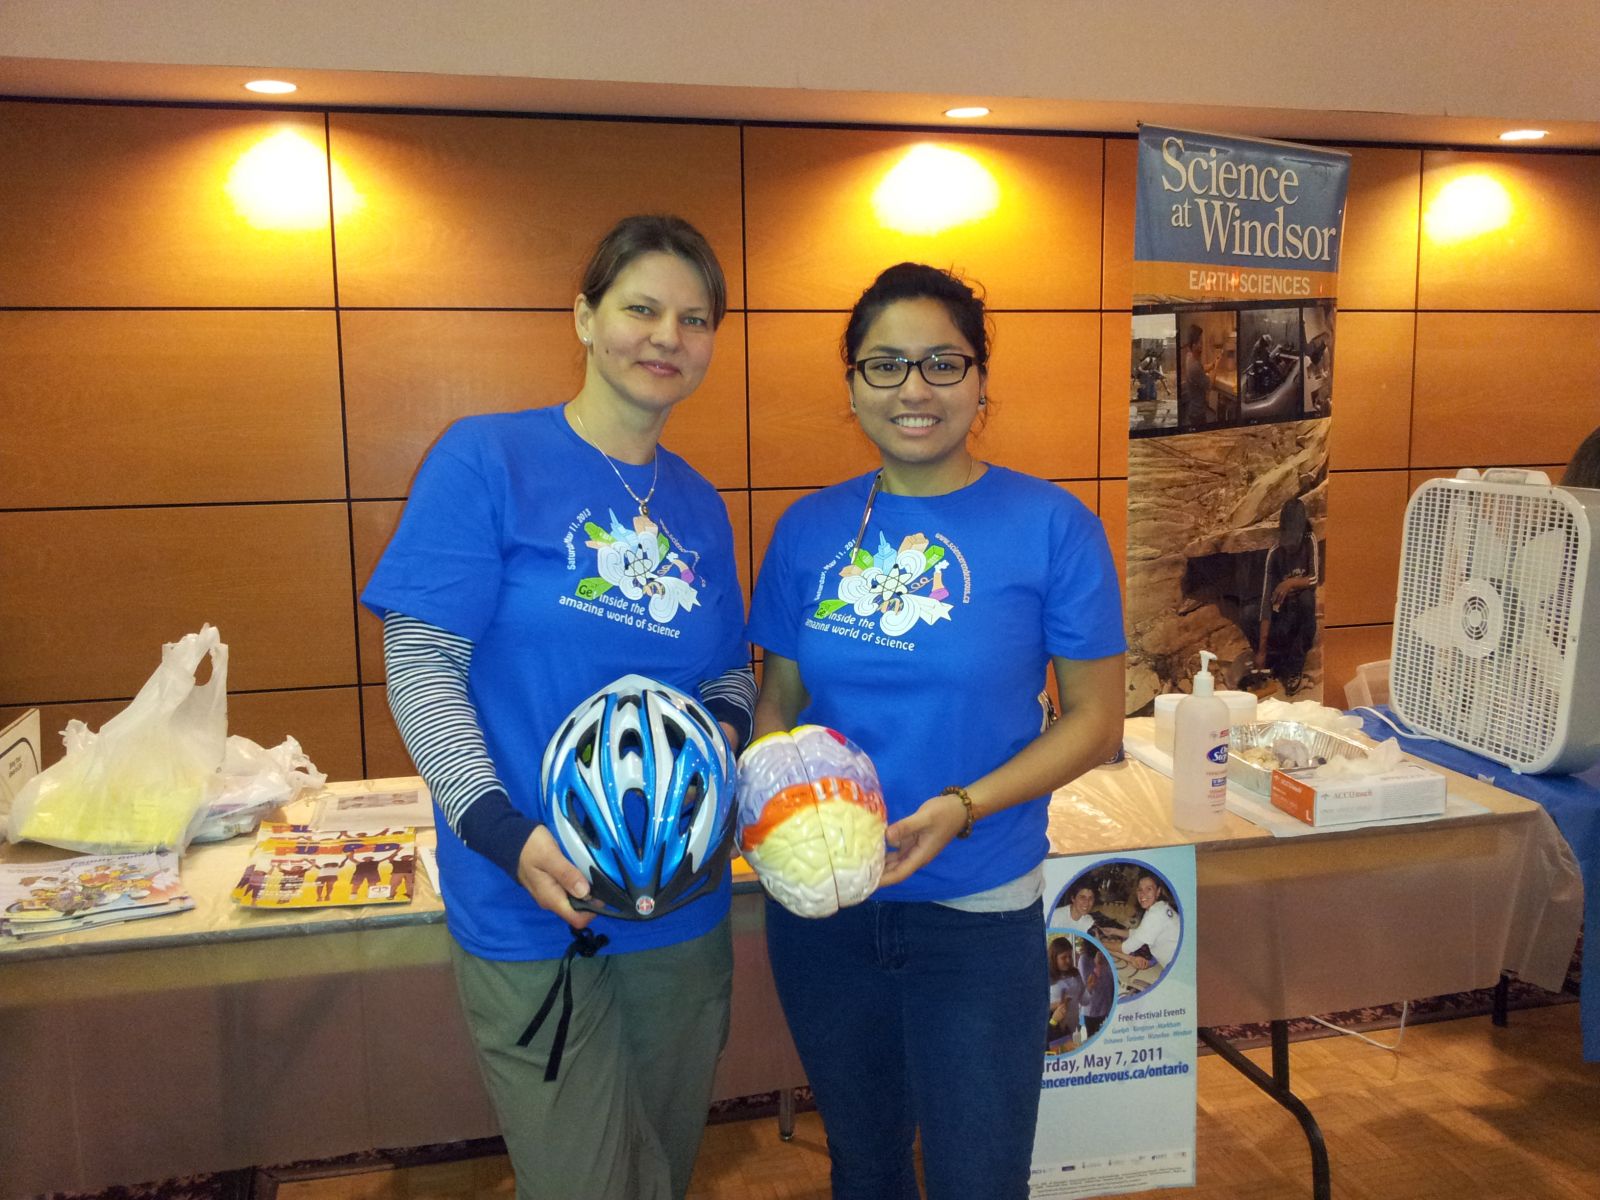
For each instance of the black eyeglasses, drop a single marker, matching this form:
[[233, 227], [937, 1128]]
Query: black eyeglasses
[[887, 371]]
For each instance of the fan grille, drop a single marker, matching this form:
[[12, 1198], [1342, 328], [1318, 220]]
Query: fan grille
[[1483, 651]]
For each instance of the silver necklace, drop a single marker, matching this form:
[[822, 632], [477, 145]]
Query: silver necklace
[[642, 501]]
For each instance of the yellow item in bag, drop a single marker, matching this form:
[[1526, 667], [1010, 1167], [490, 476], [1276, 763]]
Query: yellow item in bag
[[144, 781]]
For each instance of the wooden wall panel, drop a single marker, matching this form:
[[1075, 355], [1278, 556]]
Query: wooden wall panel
[[1044, 385], [739, 517], [408, 375], [1378, 262], [1508, 231], [765, 509], [1496, 387], [801, 431], [489, 212], [324, 722], [106, 587], [1087, 490], [372, 524], [1116, 350], [1116, 237], [386, 755], [1344, 649], [1043, 378], [708, 429], [815, 241], [1113, 510], [1372, 390], [168, 407], [122, 206], [1365, 513]]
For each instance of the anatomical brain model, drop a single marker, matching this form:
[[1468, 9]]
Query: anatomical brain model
[[811, 819]]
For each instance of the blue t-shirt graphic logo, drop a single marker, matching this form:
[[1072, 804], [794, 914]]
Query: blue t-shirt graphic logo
[[897, 586], [639, 562]]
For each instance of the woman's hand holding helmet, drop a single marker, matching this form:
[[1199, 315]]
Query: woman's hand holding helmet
[[551, 879]]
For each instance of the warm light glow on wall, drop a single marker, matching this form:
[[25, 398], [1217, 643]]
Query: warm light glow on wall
[[934, 188], [281, 183], [1467, 207]]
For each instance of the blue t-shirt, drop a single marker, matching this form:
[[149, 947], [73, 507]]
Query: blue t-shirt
[[928, 646], [519, 537]]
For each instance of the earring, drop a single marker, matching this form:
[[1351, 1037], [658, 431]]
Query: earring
[[584, 340], [982, 400], [852, 406]]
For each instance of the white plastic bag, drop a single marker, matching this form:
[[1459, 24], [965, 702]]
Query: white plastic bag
[[144, 780], [254, 781]]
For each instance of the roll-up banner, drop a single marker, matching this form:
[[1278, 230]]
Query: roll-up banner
[[1230, 395], [1117, 1098]]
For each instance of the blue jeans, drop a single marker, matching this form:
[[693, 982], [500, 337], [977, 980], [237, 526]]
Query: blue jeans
[[913, 1016]]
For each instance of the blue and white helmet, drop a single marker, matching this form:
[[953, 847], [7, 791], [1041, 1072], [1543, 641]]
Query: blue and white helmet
[[637, 788]]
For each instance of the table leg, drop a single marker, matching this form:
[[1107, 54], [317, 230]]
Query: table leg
[[1276, 1085], [786, 1113], [1502, 996]]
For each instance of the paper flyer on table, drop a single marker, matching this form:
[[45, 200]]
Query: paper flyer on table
[[362, 812], [1117, 1108], [21, 757]]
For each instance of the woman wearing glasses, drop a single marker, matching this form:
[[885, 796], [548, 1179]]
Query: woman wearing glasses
[[543, 554], [916, 609]]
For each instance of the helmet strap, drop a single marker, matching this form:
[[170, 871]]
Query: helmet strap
[[587, 945]]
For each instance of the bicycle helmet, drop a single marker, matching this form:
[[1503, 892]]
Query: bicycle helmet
[[811, 819], [637, 788]]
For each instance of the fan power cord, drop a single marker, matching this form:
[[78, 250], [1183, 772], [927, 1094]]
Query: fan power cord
[[1400, 1033], [1389, 720]]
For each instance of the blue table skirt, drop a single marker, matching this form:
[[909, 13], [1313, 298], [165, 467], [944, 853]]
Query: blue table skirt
[[1573, 802]]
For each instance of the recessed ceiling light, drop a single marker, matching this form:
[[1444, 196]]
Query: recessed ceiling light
[[271, 87], [968, 113], [1523, 135]]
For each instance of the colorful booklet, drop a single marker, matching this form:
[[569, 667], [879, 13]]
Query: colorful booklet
[[23, 930], [295, 866], [66, 894]]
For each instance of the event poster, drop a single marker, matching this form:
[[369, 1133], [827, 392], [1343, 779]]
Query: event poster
[[1117, 1105], [1230, 395]]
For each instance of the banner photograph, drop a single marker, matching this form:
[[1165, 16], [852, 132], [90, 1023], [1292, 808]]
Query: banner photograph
[[1236, 258]]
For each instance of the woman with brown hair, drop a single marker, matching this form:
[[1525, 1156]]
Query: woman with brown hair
[[542, 555]]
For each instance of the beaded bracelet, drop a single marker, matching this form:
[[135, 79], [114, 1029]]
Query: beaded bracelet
[[966, 802]]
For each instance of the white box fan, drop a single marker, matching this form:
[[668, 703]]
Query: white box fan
[[1497, 620]]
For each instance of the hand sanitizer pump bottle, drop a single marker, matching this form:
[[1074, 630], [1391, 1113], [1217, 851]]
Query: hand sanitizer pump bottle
[[1200, 755]]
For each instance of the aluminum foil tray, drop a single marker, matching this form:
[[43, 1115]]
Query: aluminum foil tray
[[1322, 744]]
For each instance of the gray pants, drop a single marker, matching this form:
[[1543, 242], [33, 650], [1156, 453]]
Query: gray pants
[[623, 1119]]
